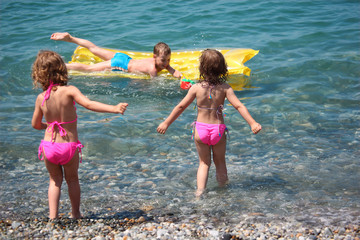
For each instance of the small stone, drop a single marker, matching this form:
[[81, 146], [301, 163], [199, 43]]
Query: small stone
[[160, 233], [99, 238], [147, 208], [214, 233], [327, 232], [226, 237], [38, 210], [341, 231], [15, 224], [151, 228], [141, 219]]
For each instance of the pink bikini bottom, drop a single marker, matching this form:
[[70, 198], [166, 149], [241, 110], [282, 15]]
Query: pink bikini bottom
[[210, 134], [59, 153]]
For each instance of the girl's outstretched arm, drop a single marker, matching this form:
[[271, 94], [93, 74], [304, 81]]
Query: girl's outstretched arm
[[94, 105], [230, 95], [176, 112], [36, 121]]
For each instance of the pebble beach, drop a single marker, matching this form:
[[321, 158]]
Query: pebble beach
[[149, 227]]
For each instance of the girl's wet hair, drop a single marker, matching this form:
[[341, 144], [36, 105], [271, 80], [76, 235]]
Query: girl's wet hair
[[49, 66], [213, 68], [162, 48]]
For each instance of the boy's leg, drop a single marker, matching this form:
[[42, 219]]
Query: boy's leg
[[204, 152], [219, 159], [72, 180], [100, 52], [101, 66], [54, 192]]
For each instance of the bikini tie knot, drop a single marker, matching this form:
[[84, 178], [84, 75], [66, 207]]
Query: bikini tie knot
[[219, 109], [51, 127], [48, 91], [79, 146]]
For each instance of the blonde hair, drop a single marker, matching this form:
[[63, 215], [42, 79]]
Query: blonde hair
[[213, 67], [49, 67], [162, 48]]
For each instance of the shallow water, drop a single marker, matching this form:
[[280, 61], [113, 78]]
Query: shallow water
[[304, 90]]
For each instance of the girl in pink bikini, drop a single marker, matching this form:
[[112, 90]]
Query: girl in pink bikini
[[60, 147], [209, 127]]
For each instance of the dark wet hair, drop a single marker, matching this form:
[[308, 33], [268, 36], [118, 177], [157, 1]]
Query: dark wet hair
[[49, 66], [213, 68], [162, 48]]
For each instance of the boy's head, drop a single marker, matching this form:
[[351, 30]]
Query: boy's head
[[162, 48], [213, 68], [162, 55], [49, 66]]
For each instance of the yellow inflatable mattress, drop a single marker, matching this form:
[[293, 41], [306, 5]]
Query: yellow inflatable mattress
[[187, 62]]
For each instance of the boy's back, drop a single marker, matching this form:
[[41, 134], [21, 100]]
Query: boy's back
[[143, 66]]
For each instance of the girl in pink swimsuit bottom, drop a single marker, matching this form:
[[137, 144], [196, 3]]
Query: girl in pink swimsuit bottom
[[210, 134], [209, 127], [59, 153], [60, 147]]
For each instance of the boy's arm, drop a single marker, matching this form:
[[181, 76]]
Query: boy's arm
[[176, 112], [230, 95], [36, 121], [174, 72], [94, 105]]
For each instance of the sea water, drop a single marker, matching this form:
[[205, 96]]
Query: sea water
[[304, 90]]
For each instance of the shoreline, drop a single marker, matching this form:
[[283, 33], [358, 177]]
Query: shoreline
[[143, 226]]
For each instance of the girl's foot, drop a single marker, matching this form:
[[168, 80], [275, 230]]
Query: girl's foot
[[78, 216], [199, 192]]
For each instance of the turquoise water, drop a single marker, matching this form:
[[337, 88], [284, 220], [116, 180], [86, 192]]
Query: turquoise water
[[304, 90]]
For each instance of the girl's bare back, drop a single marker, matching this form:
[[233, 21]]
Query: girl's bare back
[[60, 108], [208, 99]]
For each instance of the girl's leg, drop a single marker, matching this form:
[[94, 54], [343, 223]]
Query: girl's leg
[[204, 152], [54, 192], [100, 52], [72, 180], [219, 159]]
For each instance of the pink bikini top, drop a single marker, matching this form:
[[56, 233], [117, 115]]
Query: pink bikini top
[[52, 125], [219, 109]]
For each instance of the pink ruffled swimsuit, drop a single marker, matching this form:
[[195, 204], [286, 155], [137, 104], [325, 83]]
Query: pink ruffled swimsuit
[[58, 153]]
